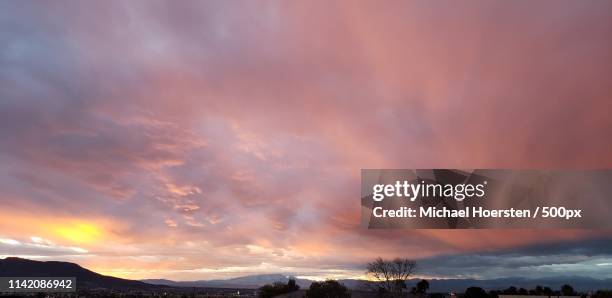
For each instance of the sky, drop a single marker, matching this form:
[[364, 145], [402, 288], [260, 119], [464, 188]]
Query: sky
[[213, 139]]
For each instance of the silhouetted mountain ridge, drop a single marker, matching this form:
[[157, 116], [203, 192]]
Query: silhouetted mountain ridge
[[18, 267], [245, 282], [436, 285]]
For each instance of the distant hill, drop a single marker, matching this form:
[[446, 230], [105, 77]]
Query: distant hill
[[243, 282], [86, 279], [18, 267], [436, 285]]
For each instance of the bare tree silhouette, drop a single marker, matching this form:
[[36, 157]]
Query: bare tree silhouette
[[391, 275]]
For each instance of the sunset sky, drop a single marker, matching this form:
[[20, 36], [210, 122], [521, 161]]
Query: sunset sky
[[211, 139]]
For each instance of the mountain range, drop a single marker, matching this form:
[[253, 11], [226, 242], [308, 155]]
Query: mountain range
[[18, 267], [582, 284]]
